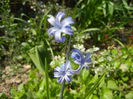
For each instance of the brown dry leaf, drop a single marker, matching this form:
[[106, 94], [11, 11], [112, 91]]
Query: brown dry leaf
[[7, 68], [26, 67], [18, 81], [8, 81], [1, 86]]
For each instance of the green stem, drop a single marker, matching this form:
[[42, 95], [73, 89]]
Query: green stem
[[46, 75], [63, 83], [68, 49], [62, 89]]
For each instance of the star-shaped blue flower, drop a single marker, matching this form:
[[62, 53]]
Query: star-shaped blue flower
[[63, 72], [83, 59], [60, 26]]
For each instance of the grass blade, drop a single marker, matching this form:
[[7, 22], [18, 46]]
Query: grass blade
[[94, 86], [47, 82], [35, 57]]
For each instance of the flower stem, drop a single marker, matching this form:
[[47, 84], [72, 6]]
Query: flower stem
[[62, 89], [67, 54], [68, 49], [47, 82]]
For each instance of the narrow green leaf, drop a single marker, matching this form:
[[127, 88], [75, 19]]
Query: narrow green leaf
[[52, 53], [119, 42], [126, 5], [21, 20], [90, 30], [88, 94], [111, 8], [79, 2], [41, 87], [37, 55], [43, 20], [47, 82]]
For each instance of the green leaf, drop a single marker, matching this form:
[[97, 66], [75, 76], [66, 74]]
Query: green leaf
[[96, 84], [104, 8], [41, 87], [37, 54], [85, 74], [52, 53], [114, 51], [21, 20], [94, 97], [90, 30], [112, 85], [93, 79], [107, 94], [129, 95], [46, 76], [3, 96], [111, 8], [119, 42], [25, 44], [33, 31], [44, 19], [126, 5]]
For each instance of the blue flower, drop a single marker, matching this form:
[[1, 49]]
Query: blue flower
[[63, 72], [83, 59], [60, 26]]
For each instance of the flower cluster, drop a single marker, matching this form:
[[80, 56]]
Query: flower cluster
[[65, 71]]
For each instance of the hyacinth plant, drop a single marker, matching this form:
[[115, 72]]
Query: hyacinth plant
[[65, 71]]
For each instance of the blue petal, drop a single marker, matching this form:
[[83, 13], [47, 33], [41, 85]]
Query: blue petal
[[68, 65], [60, 80], [63, 39], [59, 16], [63, 67], [57, 69], [78, 51], [77, 62], [68, 78], [69, 73], [51, 20], [52, 30], [67, 21], [59, 38], [56, 74], [87, 58], [77, 56], [67, 30], [86, 66], [77, 70]]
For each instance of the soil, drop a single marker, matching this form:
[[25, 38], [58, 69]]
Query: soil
[[12, 77]]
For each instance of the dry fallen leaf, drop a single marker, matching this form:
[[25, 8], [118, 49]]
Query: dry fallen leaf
[[26, 67]]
